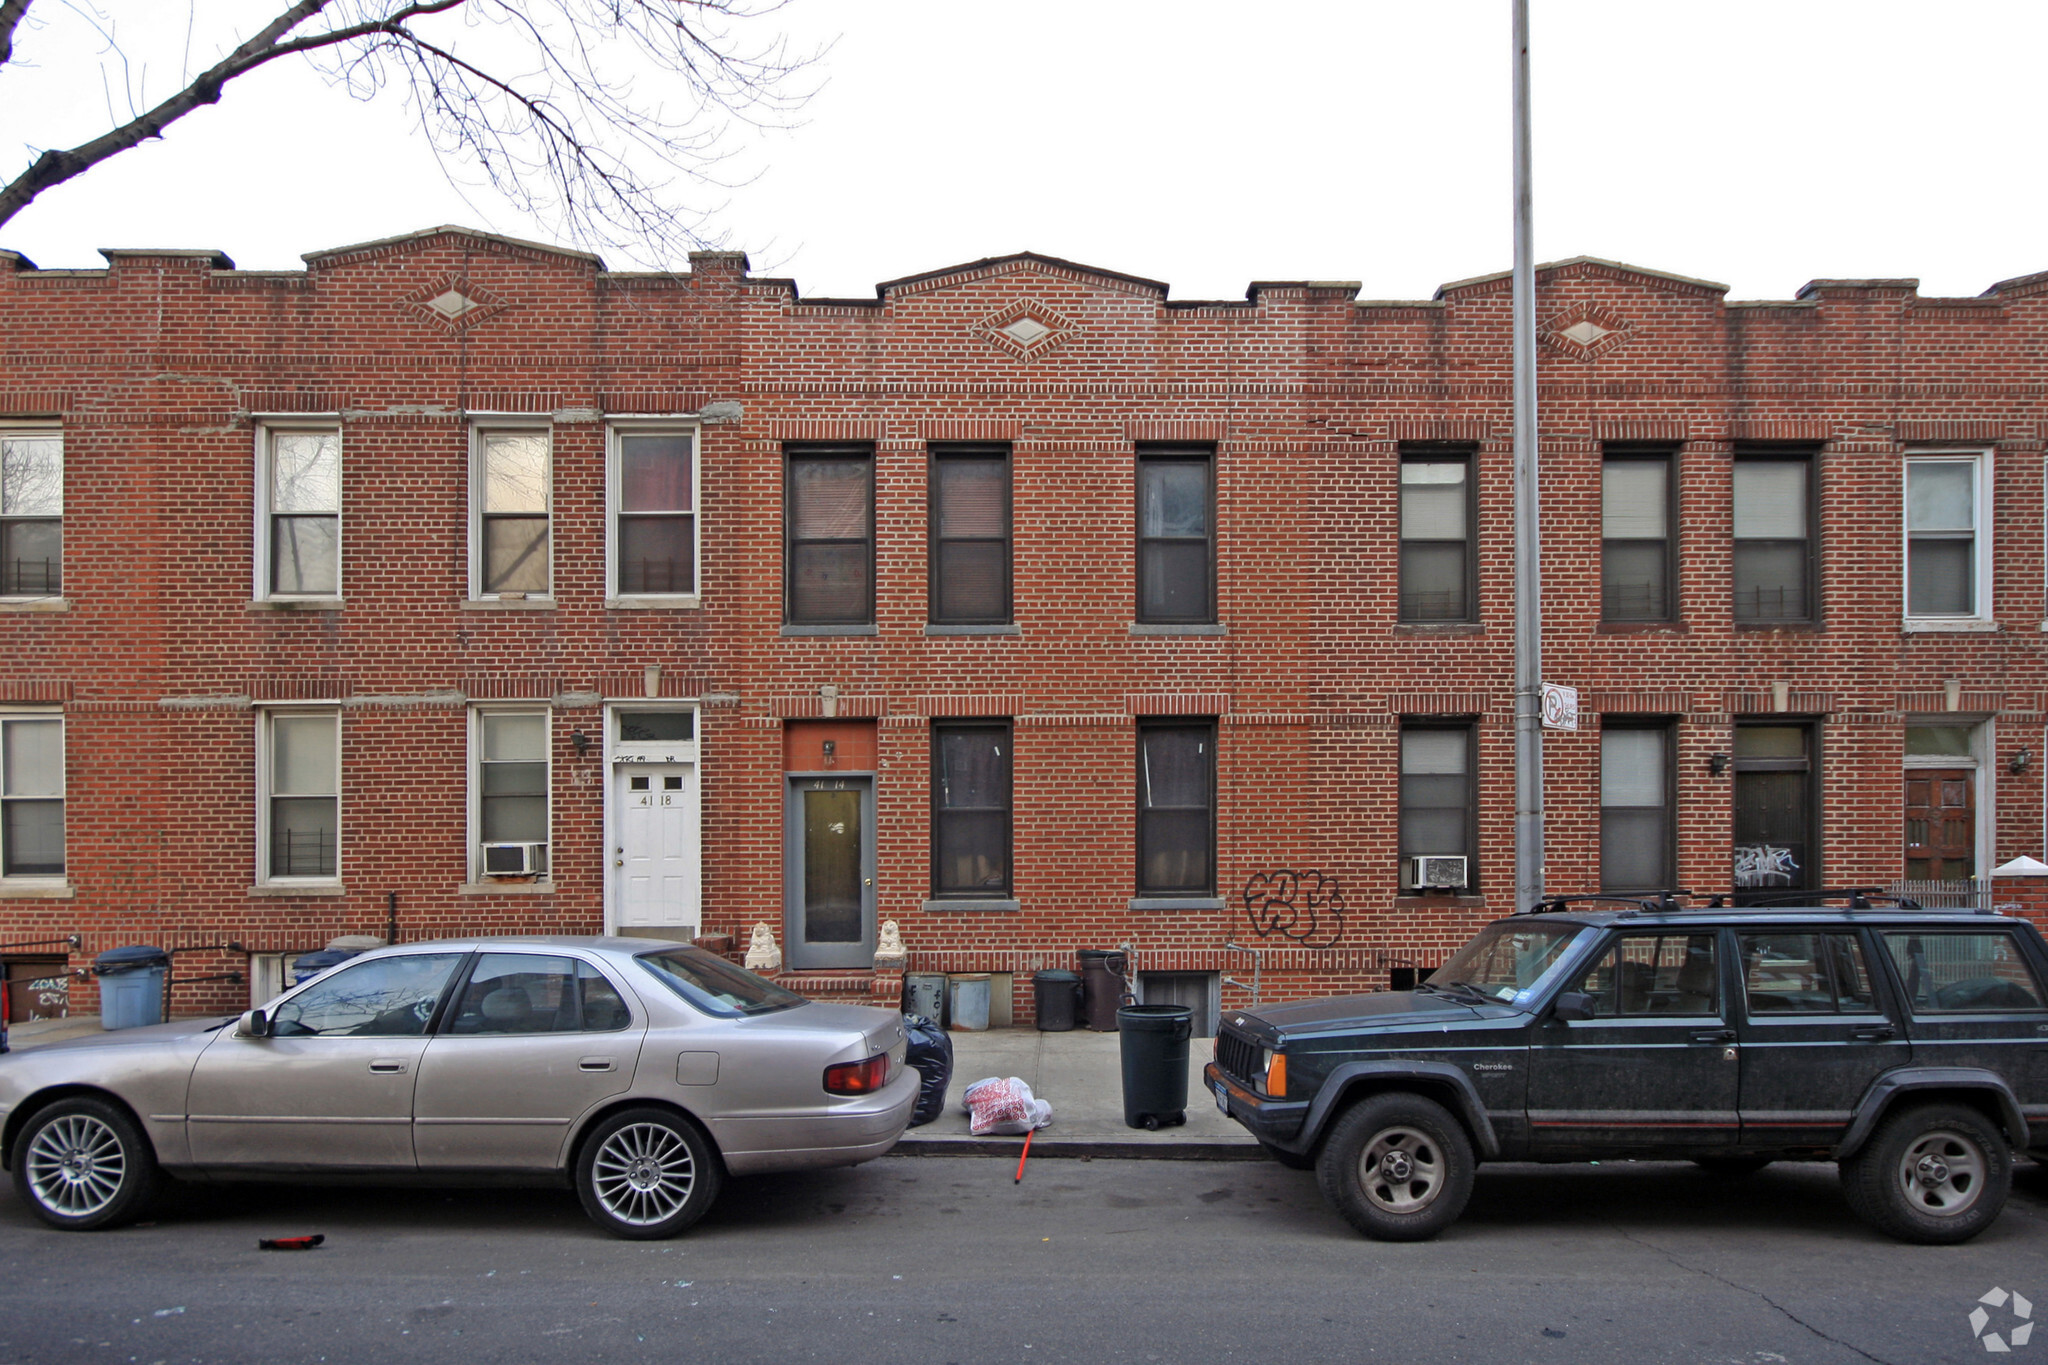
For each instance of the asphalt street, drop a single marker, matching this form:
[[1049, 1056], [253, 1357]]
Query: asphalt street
[[938, 1259]]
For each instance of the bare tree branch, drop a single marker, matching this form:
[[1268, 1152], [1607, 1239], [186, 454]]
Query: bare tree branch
[[554, 129], [11, 14]]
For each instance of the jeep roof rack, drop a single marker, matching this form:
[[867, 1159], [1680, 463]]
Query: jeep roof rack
[[1859, 898], [1649, 902]]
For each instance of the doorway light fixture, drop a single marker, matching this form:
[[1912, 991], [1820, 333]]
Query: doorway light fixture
[[2021, 761], [1717, 763]]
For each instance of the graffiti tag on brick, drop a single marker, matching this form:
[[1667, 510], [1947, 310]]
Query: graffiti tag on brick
[[1304, 906], [1764, 865]]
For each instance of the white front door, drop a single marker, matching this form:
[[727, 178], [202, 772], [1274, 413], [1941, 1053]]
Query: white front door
[[654, 853]]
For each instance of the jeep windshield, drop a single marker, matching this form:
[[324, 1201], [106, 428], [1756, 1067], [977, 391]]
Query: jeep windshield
[[1505, 964]]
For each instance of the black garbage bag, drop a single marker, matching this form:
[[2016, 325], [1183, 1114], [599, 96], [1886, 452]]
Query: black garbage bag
[[931, 1052]]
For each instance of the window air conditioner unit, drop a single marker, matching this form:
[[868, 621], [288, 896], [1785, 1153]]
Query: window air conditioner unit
[[512, 860], [1439, 870]]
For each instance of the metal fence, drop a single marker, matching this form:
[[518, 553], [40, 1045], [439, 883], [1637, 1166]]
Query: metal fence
[[1965, 893]]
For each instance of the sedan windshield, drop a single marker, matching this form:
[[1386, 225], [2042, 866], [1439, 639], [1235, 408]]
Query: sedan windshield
[[1506, 960], [716, 986]]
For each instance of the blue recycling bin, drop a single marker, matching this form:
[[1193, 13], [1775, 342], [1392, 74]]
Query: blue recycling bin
[[131, 985]]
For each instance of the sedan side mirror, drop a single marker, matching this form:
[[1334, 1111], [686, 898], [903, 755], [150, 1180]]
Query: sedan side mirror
[[1571, 1005], [254, 1024]]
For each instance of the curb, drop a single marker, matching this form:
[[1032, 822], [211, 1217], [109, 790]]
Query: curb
[[1083, 1148]]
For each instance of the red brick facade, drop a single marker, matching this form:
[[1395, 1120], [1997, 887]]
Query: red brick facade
[[160, 371]]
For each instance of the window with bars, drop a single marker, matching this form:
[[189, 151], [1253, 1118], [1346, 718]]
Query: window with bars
[[31, 514], [654, 513], [1635, 538], [511, 792], [829, 529], [1176, 808], [1945, 564], [1438, 807], [301, 760], [969, 566], [970, 809], [1773, 530], [1176, 536], [1436, 537], [1635, 807], [513, 504], [301, 508], [32, 796]]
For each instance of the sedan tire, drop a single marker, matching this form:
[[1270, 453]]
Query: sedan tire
[[1934, 1174], [1398, 1167], [82, 1163], [644, 1174]]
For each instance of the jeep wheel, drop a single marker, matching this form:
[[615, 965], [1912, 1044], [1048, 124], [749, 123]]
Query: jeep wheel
[[1731, 1166], [1398, 1167], [1934, 1173], [1293, 1161]]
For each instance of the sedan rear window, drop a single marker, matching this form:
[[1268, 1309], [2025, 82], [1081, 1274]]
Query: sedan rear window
[[716, 986]]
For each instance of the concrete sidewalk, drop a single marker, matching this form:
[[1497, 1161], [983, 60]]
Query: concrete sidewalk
[[1079, 1073]]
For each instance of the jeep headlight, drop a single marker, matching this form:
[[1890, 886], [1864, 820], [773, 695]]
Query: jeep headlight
[[1274, 1065]]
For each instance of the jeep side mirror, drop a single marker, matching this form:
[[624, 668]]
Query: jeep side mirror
[[254, 1024], [1573, 1005]]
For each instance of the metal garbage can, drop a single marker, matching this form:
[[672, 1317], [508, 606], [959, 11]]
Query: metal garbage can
[[1058, 994], [131, 985], [1154, 1046], [1103, 988], [924, 993], [967, 1002], [306, 966]]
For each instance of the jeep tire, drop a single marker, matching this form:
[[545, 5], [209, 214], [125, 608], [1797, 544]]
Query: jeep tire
[[1398, 1167], [1931, 1173]]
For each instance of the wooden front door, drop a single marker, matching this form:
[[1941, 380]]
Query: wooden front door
[[1941, 824]]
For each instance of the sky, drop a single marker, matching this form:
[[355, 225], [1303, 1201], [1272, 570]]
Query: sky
[[1207, 145]]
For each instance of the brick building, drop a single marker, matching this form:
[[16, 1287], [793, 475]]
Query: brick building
[[461, 584]]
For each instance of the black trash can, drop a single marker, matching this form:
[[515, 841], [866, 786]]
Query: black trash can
[[1154, 1045], [1102, 988], [1058, 993]]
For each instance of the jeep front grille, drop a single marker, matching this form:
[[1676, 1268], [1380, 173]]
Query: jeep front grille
[[1239, 1058]]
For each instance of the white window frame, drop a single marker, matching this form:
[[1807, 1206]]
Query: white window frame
[[264, 716], [479, 430], [478, 880], [34, 430], [46, 881], [1979, 458], [614, 491], [1983, 774], [266, 428]]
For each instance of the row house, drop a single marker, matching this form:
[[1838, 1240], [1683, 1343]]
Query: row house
[[458, 584]]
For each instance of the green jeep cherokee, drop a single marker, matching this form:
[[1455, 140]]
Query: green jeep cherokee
[[1908, 1045]]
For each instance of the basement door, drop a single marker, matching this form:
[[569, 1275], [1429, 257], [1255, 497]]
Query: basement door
[[654, 853], [829, 874]]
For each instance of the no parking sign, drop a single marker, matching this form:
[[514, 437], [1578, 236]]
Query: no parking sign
[[1560, 707]]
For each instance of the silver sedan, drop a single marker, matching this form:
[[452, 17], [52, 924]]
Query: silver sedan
[[639, 1071]]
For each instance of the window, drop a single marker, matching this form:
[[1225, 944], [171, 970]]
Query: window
[[32, 796], [512, 492], [1436, 799], [1774, 848], [1963, 971], [386, 997], [1176, 537], [654, 513], [1635, 538], [531, 993], [1635, 808], [1436, 538], [1948, 561], [970, 536], [829, 516], [1774, 578], [301, 782], [31, 514], [1805, 974], [970, 809], [512, 793], [1649, 975], [298, 513], [1176, 808]]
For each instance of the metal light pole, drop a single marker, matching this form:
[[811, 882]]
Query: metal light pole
[[1528, 570]]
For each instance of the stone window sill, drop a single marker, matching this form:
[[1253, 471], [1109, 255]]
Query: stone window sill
[[999, 904], [974, 630], [37, 891], [1439, 628], [35, 604], [1807, 627], [1643, 628], [296, 604], [793, 632], [1971, 626], [509, 604], [1177, 903], [1411, 898], [541, 888], [1176, 628], [298, 889], [631, 602]]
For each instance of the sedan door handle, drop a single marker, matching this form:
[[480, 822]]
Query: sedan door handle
[[1876, 1033], [595, 1064], [1713, 1035], [388, 1066]]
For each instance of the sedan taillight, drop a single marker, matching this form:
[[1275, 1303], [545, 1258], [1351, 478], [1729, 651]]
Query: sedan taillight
[[858, 1078]]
